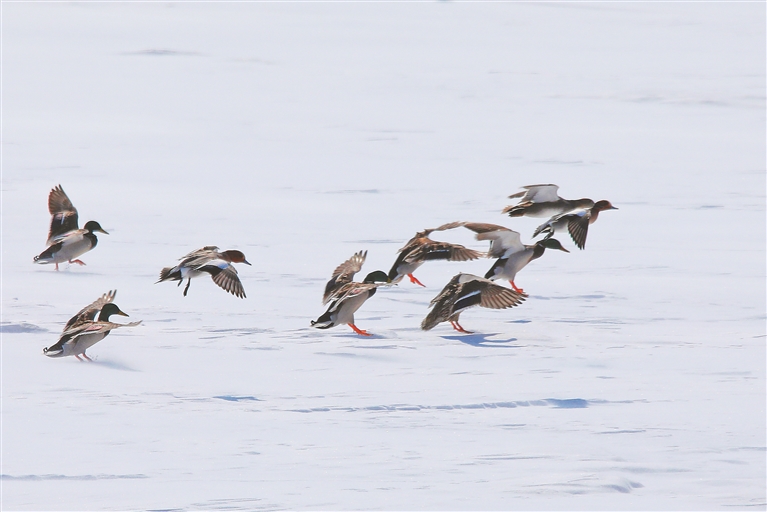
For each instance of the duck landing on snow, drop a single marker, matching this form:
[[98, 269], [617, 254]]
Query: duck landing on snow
[[83, 330], [65, 241]]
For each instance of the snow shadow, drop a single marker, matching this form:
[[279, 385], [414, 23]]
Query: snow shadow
[[481, 340], [22, 327]]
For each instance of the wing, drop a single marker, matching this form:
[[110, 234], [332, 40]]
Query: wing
[[501, 239], [538, 193], [63, 213], [578, 227], [225, 276], [343, 274], [442, 251], [447, 291], [200, 257], [349, 291], [89, 312], [494, 296]]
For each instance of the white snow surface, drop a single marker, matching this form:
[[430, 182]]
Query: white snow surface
[[299, 133]]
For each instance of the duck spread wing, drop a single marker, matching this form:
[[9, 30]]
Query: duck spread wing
[[494, 296], [343, 274], [502, 240], [442, 251], [225, 276], [578, 227], [63, 213], [538, 193], [89, 312]]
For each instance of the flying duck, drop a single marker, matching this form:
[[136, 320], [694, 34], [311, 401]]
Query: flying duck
[[543, 201], [421, 248], [576, 223], [208, 260], [512, 254]]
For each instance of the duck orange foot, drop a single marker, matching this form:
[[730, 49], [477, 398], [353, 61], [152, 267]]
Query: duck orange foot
[[414, 280], [359, 331]]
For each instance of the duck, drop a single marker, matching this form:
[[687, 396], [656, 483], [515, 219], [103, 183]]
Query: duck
[[512, 254], [346, 296], [421, 249], [208, 260], [66, 242], [575, 222], [543, 201], [465, 291], [84, 330]]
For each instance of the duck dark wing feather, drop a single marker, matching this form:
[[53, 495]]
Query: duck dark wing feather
[[343, 274], [494, 296], [90, 311], [63, 213], [226, 278], [578, 226]]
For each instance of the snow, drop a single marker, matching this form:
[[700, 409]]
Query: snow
[[300, 133]]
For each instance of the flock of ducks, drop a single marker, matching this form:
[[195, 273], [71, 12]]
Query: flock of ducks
[[342, 295], [464, 291]]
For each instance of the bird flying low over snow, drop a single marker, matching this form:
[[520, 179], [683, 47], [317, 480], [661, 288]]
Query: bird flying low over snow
[[465, 291], [421, 249], [512, 254], [83, 330], [346, 296], [208, 260], [65, 240], [543, 201], [576, 222]]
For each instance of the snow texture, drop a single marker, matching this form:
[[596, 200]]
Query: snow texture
[[300, 133]]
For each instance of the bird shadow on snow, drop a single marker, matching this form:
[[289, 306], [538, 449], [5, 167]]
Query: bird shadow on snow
[[114, 365], [481, 340]]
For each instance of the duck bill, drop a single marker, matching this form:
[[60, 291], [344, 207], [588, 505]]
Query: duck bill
[[563, 249], [101, 231], [246, 262], [121, 313]]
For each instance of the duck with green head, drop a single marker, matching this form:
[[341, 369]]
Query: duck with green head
[[512, 254], [346, 296], [85, 330]]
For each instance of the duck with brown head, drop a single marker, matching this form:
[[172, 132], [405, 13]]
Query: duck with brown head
[[208, 260]]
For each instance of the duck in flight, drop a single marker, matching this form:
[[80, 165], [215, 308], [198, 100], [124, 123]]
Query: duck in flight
[[512, 254], [421, 249], [208, 260]]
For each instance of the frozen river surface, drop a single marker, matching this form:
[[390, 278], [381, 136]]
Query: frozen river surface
[[632, 378]]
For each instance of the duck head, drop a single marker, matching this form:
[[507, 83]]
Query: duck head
[[109, 310], [233, 256], [92, 226], [379, 276]]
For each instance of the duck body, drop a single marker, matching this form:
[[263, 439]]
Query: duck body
[[345, 296], [576, 223], [463, 292], [543, 201], [512, 254], [211, 261], [420, 249], [83, 330], [69, 246]]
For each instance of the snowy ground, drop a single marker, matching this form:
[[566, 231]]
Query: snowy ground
[[632, 378]]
